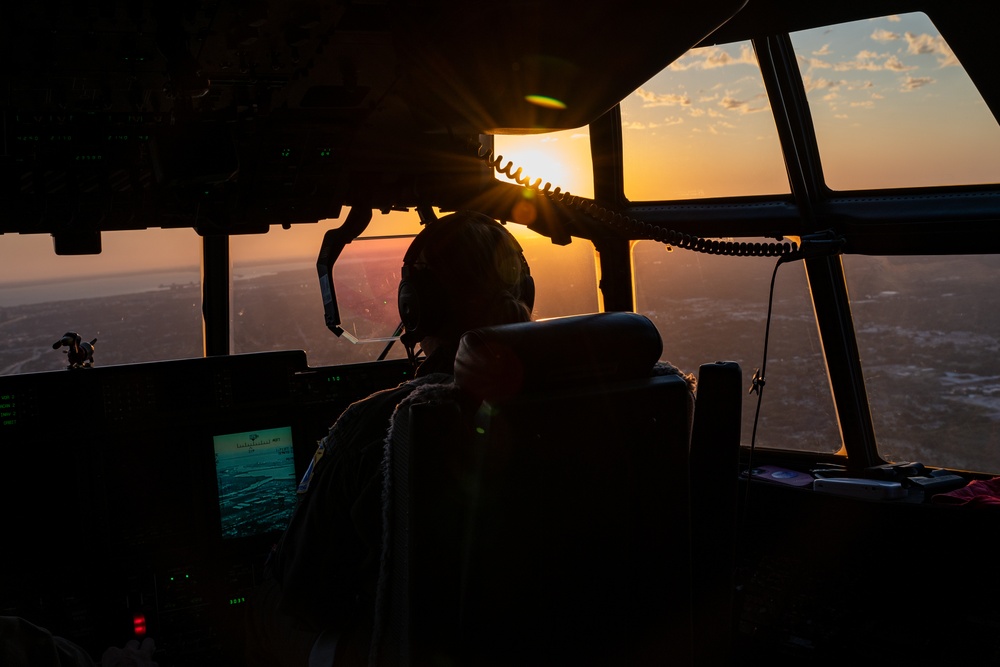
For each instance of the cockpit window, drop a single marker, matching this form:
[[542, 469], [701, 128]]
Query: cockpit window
[[277, 302], [702, 128], [714, 308], [140, 298], [928, 340], [893, 107]]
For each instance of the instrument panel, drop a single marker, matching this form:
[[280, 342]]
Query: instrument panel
[[142, 500]]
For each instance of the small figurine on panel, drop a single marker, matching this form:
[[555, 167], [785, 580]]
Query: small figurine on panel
[[80, 353]]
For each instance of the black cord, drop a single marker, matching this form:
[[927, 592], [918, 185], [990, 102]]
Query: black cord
[[758, 383], [634, 228]]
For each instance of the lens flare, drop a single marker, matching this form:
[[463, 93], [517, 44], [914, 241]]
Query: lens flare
[[545, 101]]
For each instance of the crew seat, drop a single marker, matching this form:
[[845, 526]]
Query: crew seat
[[537, 508]]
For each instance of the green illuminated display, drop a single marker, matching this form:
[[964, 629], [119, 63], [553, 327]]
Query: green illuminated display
[[8, 410]]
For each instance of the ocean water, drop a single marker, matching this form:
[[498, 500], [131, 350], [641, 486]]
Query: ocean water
[[87, 287], [19, 294]]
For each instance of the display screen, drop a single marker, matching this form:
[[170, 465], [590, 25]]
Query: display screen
[[256, 476]]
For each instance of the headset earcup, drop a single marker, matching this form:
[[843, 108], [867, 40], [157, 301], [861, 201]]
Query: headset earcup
[[527, 287], [422, 302], [409, 303]]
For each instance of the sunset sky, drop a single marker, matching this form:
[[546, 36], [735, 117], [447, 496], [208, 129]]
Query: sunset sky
[[891, 105]]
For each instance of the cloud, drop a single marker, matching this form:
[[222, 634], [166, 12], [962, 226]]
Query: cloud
[[895, 18], [924, 44], [865, 61], [821, 83], [635, 125], [756, 103], [672, 120], [713, 57], [651, 99], [883, 35], [822, 51], [896, 65], [913, 82]]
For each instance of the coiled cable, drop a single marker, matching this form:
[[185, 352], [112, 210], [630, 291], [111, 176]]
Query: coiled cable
[[635, 229]]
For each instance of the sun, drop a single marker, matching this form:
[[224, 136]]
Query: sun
[[559, 158]]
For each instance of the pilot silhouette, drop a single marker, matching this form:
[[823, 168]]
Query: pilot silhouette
[[317, 604]]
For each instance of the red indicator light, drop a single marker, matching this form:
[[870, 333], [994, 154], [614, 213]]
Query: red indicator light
[[139, 624]]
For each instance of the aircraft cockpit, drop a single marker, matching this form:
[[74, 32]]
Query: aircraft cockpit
[[204, 208]]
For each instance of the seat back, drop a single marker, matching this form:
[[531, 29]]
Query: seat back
[[539, 506]]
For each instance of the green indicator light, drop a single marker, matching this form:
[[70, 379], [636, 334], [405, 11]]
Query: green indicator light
[[480, 430], [286, 152]]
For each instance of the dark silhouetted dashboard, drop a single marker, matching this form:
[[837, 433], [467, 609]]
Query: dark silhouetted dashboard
[[144, 498]]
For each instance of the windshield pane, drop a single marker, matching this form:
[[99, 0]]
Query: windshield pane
[[278, 304], [711, 308], [140, 298], [702, 128], [929, 342], [893, 107]]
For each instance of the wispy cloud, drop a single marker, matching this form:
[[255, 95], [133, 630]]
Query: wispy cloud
[[924, 44], [651, 99], [636, 125], [751, 105], [821, 83], [883, 35], [896, 65], [713, 57], [911, 83]]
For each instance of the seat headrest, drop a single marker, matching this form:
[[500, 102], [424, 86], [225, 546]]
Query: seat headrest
[[495, 363]]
